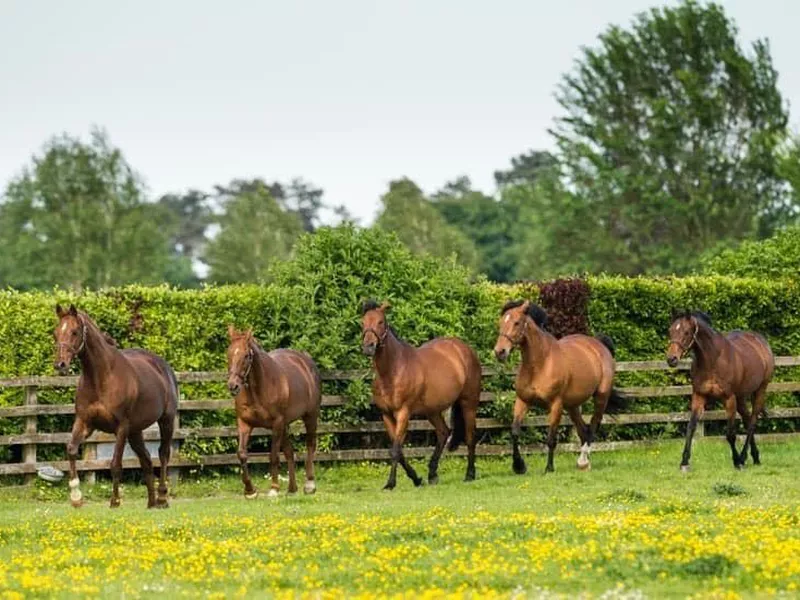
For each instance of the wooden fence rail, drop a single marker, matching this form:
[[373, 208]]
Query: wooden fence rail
[[30, 410]]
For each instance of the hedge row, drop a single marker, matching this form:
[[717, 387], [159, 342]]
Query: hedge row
[[312, 303]]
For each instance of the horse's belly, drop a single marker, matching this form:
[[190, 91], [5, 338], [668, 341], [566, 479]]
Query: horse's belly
[[98, 417]]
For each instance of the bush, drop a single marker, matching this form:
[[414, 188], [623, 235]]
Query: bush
[[775, 257]]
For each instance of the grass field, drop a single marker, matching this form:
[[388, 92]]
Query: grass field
[[632, 527]]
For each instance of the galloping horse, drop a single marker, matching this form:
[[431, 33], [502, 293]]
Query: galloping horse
[[728, 367], [422, 381], [273, 389], [556, 375], [121, 392]]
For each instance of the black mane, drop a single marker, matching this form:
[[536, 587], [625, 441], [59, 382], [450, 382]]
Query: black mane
[[535, 312], [369, 305], [697, 314]]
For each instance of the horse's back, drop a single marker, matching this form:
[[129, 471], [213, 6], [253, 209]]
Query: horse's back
[[303, 376], [451, 369]]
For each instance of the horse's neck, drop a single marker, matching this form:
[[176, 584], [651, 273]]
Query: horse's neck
[[708, 347], [536, 345], [387, 355], [263, 372], [97, 357]]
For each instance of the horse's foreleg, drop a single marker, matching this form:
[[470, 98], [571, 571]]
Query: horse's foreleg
[[400, 427], [116, 463], [442, 432], [288, 452], [244, 438], [311, 450], [136, 441], [583, 433], [552, 433], [80, 431], [520, 410], [730, 413], [698, 407], [278, 431]]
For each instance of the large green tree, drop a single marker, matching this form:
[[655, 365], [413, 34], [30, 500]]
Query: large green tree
[[189, 217], [420, 226], [77, 217], [670, 138], [255, 230]]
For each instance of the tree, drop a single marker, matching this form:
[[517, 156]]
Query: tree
[[189, 215], [773, 258], [255, 230], [420, 226], [526, 168], [77, 217], [670, 138], [484, 221]]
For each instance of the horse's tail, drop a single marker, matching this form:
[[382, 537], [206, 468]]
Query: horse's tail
[[457, 426], [617, 403], [608, 343]]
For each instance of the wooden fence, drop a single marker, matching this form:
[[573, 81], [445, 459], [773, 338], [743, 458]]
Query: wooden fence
[[93, 460]]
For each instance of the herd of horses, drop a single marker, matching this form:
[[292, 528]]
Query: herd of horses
[[124, 391]]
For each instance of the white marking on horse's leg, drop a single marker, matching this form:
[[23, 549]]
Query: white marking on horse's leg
[[252, 496], [583, 459], [75, 495], [272, 493], [685, 468], [310, 487]]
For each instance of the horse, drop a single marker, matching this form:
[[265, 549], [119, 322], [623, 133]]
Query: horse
[[556, 374], [729, 367], [120, 392], [442, 373], [272, 390]]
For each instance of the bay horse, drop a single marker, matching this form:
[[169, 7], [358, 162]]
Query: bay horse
[[120, 392], [731, 368], [442, 373], [555, 374], [271, 390]]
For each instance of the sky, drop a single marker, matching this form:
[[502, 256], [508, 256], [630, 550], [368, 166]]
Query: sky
[[347, 95]]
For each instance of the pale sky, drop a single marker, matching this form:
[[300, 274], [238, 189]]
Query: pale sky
[[347, 94]]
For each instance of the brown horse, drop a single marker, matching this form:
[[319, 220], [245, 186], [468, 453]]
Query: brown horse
[[121, 392], [273, 389], [425, 382], [730, 368], [556, 375]]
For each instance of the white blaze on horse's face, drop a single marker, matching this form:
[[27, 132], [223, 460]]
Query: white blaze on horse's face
[[64, 327]]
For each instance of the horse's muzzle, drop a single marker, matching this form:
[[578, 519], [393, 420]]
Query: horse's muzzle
[[369, 349], [234, 388], [502, 354], [61, 367], [672, 361]]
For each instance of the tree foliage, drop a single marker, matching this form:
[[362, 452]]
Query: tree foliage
[[670, 137], [775, 257], [77, 217]]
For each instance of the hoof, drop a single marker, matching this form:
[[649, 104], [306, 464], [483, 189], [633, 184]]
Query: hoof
[[75, 495], [76, 503], [520, 468], [738, 466], [162, 503], [418, 483], [388, 487], [685, 468], [291, 493], [469, 477], [310, 487], [584, 466], [433, 480], [251, 496], [115, 504], [272, 493]]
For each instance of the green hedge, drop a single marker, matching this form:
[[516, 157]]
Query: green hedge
[[313, 304]]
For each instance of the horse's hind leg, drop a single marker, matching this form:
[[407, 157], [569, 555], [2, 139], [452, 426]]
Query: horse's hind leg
[[136, 440], [288, 452], [759, 399], [730, 412], [583, 433], [116, 463], [166, 425], [470, 422], [310, 421], [442, 433]]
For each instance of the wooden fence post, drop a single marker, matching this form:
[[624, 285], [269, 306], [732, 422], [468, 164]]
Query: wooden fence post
[[31, 426], [90, 453]]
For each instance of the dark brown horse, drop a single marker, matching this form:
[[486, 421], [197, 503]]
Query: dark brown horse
[[424, 381], [121, 392], [556, 375], [731, 368], [273, 389]]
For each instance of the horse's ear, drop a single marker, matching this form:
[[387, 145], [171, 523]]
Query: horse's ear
[[525, 306], [72, 310], [60, 311], [231, 330], [249, 333], [385, 306]]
